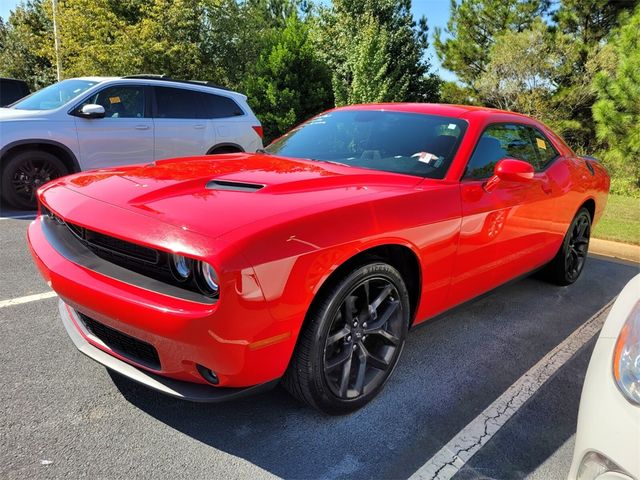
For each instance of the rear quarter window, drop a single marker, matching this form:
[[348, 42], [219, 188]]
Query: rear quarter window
[[218, 106], [546, 151], [185, 103]]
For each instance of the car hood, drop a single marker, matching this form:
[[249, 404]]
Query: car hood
[[216, 194]]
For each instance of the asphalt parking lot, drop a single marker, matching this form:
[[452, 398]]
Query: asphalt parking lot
[[65, 416]]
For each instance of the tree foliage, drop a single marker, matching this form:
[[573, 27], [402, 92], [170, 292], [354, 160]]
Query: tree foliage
[[376, 51], [472, 29], [289, 82], [617, 110], [276, 50], [24, 45]]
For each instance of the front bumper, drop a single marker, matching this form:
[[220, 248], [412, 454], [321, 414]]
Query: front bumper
[[608, 425], [194, 392], [236, 338]]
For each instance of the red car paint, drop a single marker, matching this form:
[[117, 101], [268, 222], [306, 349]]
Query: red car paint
[[274, 249]]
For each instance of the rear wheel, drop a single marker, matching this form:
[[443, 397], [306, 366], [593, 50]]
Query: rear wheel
[[25, 172], [568, 263], [225, 149], [351, 341]]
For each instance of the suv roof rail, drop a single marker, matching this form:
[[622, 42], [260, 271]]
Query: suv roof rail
[[153, 76]]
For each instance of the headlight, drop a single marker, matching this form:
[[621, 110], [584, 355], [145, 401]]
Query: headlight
[[594, 465], [181, 267], [626, 357], [209, 279]]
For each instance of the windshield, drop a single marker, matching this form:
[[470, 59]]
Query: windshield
[[398, 142], [54, 95]]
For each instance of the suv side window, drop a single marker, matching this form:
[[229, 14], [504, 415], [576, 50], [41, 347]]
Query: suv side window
[[184, 103], [179, 102], [503, 140], [120, 101], [546, 151], [221, 107]]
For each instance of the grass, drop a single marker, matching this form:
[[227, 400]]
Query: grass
[[620, 221]]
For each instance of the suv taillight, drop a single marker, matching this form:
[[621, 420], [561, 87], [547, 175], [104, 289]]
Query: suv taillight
[[258, 130]]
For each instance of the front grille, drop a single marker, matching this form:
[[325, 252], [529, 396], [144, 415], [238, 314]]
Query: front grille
[[100, 243], [129, 347], [146, 261]]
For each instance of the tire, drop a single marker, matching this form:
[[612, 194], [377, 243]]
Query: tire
[[24, 172], [222, 150], [341, 364], [567, 265]]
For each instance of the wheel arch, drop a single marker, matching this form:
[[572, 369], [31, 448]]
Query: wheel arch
[[225, 147], [399, 255], [58, 149], [590, 205]]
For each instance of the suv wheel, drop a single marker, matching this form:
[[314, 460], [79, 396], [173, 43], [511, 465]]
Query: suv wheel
[[25, 172]]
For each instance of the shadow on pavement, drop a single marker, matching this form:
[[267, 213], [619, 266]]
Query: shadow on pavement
[[451, 369]]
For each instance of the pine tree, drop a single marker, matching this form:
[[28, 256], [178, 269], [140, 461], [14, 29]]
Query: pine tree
[[289, 83], [346, 39], [617, 111], [473, 27]]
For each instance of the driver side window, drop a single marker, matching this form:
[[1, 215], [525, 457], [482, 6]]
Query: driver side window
[[120, 101], [505, 140]]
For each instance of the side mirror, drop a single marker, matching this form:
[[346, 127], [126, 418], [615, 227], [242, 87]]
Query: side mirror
[[91, 111], [510, 170]]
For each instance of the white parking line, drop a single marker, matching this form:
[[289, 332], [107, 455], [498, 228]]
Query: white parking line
[[27, 299], [452, 457], [16, 217]]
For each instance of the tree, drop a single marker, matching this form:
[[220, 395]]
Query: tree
[[369, 63], [454, 93], [523, 72], [473, 27], [289, 82], [587, 24], [617, 110], [347, 36], [23, 45]]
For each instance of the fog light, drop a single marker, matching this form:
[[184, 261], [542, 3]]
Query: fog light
[[208, 374]]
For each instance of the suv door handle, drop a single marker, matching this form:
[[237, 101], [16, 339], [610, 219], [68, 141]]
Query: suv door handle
[[142, 127], [199, 126]]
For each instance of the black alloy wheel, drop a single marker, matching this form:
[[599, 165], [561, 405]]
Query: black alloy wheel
[[567, 265], [577, 248], [363, 339], [27, 171], [351, 340]]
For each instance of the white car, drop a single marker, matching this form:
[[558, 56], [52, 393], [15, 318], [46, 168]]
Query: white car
[[95, 122], [608, 438]]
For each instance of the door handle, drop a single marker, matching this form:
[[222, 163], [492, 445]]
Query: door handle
[[199, 126], [142, 127]]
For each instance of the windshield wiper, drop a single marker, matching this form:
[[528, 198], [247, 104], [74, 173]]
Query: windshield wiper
[[331, 161]]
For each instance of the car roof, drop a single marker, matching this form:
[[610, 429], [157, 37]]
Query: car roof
[[443, 109], [148, 79]]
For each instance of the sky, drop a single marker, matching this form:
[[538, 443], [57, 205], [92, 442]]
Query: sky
[[436, 11]]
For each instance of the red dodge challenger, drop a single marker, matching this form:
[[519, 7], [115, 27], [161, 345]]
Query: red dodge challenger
[[209, 278]]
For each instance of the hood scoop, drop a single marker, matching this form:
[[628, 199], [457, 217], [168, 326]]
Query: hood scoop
[[234, 186]]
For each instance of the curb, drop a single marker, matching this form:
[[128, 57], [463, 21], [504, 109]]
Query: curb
[[608, 248]]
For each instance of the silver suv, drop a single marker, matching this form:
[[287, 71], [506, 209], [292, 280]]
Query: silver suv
[[96, 122]]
